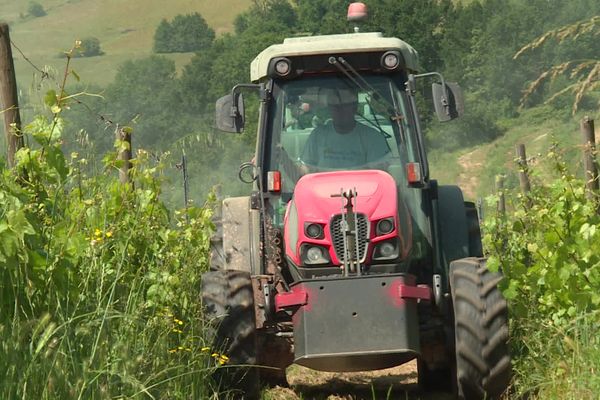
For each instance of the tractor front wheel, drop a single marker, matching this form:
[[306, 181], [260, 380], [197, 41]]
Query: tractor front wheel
[[481, 330], [228, 301]]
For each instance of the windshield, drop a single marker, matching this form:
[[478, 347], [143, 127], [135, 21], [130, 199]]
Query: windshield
[[330, 123]]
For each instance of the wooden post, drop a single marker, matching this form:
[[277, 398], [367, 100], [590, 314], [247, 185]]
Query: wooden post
[[8, 97], [523, 171], [124, 135], [501, 198], [589, 157], [186, 191]]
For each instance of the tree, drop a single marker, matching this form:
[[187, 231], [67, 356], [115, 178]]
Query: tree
[[184, 34], [163, 37], [145, 93], [319, 17], [273, 16]]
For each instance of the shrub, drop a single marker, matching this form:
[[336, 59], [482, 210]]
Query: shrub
[[547, 247], [36, 9], [548, 250], [90, 47]]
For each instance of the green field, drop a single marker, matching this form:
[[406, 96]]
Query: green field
[[125, 29]]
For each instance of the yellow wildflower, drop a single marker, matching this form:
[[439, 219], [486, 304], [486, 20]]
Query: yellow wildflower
[[223, 359], [108, 234]]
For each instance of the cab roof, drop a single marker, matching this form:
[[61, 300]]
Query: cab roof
[[332, 44]]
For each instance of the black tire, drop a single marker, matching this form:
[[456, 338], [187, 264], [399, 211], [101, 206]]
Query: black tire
[[228, 302], [483, 366]]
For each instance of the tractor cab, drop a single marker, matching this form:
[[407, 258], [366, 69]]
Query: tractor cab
[[340, 258], [331, 105]]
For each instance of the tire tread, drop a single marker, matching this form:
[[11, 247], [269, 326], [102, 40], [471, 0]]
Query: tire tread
[[228, 302], [481, 330]]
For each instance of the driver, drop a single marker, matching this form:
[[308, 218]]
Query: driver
[[342, 141]]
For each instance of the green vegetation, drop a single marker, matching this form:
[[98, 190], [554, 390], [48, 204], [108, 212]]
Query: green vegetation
[[585, 72], [98, 262], [547, 248], [184, 34], [36, 10], [89, 47], [98, 279]]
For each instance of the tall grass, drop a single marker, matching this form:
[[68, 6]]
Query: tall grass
[[559, 363], [99, 280]]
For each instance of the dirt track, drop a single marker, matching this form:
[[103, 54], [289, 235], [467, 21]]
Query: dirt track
[[394, 383]]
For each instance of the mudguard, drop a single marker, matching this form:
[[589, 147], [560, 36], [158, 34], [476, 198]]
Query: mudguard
[[453, 224], [241, 235]]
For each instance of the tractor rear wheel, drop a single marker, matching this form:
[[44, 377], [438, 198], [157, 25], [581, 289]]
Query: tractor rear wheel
[[481, 330], [228, 301]]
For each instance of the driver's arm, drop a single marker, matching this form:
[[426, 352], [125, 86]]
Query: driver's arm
[[294, 169]]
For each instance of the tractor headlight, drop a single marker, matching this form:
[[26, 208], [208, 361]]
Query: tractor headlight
[[314, 231], [385, 226], [391, 60], [280, 67], [315, 255], [387, 250]]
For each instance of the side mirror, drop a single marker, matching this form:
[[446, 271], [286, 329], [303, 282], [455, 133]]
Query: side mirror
[[449, 104], [230, 115]]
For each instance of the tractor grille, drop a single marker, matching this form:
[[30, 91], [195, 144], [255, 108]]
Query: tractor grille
[[337, 235]]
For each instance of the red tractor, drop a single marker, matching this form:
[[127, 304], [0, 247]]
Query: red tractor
[[347, 256]]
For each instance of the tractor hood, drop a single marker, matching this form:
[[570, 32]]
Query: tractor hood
[[317, 200]]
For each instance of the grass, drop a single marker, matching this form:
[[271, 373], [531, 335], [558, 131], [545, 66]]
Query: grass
[[537, 128], [559, 363], [125, 29]]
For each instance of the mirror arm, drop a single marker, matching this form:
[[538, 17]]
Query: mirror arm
[[236, 89], [445, 101], [263, 93]]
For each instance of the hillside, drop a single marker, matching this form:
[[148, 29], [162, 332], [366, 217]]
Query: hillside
[[125, 30], [475, 168]]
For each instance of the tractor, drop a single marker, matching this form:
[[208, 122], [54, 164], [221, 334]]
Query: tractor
[[346, 255]]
